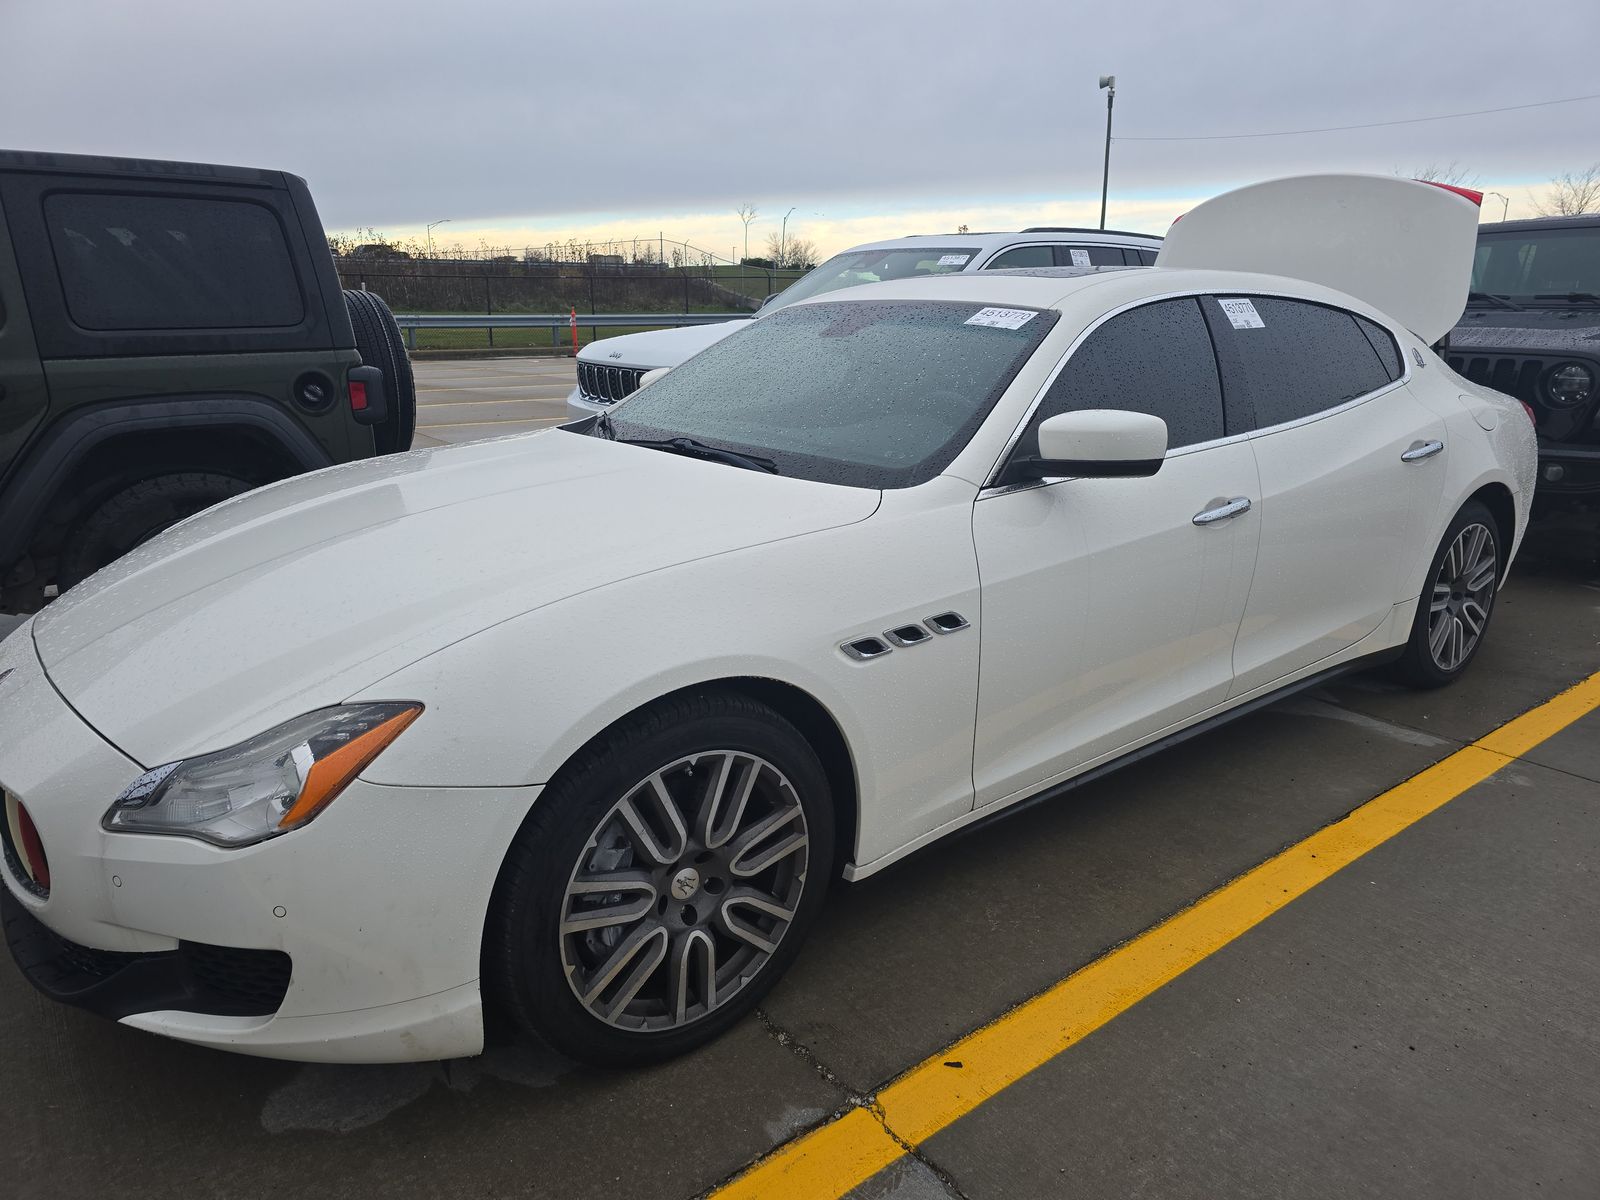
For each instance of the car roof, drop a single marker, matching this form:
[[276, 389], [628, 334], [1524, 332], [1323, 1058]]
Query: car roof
[[1067, 289], [1025, 237], [1533, 224], [45, 162]]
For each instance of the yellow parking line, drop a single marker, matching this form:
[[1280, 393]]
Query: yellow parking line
[[832, 1159]]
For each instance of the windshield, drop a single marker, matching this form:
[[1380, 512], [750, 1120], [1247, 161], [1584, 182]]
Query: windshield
[[872, 266], [1540, 265], [878, 394]]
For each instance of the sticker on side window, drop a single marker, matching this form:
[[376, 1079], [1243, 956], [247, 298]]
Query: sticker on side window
[[953, 260], [1001, 318], [1080, 258], [1242, 314]]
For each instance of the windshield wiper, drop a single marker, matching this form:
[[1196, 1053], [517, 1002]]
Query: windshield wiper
[[1491, 298], [687, 446], [1570, 297]]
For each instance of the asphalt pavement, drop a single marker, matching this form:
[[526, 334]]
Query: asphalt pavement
[[1423, 1022], [461, 400]]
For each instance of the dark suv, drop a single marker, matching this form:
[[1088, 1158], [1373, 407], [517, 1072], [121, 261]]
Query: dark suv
[[171, 334], [1532, 330]]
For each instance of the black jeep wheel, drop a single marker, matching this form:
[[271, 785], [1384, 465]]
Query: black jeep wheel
[[134, 515], [380, 344]]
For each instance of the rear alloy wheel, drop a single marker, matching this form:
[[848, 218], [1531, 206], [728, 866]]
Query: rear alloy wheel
[[1455, 608], [663, 882]]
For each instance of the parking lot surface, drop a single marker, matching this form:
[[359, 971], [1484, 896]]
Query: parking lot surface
[[461, 400], [1421, 1023]]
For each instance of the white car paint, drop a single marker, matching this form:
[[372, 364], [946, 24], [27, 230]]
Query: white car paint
[[532, 591], [658, 348]]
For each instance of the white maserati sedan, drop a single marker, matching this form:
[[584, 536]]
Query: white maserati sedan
[[579, 726]]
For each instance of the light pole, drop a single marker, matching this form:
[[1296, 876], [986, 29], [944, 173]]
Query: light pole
[[1109, 84], [783, 236], [1505, 203], [441, 221]]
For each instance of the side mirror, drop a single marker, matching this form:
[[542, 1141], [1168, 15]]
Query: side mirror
[[1095, 443], [762, 307], [650, 377]]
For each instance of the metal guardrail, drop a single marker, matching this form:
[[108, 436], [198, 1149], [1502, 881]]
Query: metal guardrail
[[556, 323]]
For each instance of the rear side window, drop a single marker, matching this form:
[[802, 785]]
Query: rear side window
[[1283, 360], [1089, 256], [1022, 256], [1383, 342], [1145, 258], [1156, 359], [132, 262]]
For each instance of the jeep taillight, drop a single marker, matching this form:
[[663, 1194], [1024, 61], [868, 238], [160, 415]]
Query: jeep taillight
[[1528, 408], [358, 396]]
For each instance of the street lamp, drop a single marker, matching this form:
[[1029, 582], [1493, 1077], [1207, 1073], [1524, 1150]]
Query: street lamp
[[1108, 84], [1505, 203], [783, 236], [441, 221]]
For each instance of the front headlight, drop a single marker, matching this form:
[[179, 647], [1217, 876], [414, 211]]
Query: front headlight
[[1569, 384], [263, 787]]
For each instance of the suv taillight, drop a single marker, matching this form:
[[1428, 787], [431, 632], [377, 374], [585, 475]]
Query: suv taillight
[[1528, 408], [358, 396]]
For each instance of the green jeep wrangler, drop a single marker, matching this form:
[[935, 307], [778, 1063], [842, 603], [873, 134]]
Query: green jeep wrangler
[[171, 334]]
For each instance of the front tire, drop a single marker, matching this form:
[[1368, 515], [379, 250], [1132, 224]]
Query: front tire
[[663, 882], [1457, 601]]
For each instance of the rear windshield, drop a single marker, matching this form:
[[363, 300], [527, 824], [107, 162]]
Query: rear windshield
[[879, 394], [130, 262], [1554, 265], [872, 266]]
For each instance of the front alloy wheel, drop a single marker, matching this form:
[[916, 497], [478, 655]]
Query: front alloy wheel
[[684, 891], [662, 882]]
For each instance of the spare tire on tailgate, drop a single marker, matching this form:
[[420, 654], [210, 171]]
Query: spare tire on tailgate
[[379, 342]]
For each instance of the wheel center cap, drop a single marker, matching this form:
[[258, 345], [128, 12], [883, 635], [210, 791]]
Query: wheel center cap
[[685, 884]]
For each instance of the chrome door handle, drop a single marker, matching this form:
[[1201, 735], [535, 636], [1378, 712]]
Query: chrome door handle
[[1421, 451], [1223, 511]]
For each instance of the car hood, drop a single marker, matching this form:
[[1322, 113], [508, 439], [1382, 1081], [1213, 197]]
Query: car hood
[[300, 594], [1547, 330], [658, 347]]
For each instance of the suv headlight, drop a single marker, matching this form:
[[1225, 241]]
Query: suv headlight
[[266, 786], [1569, 384]]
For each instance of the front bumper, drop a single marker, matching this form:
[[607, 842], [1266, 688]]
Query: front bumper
[[579, 405], [376, 908], [1568, 470]]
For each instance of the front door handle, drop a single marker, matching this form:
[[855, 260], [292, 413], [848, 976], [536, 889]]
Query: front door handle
[[1223, 511], [1422, 450]]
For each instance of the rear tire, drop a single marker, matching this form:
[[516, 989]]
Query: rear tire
[[380, 344], [1457, 601], [694, 898], [134, 515]]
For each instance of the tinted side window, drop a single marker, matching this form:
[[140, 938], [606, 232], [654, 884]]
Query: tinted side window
[[1146, 257], [1287, 359], [1089, 256], [1022, 256], [1383, 342], [169, 262], [1156, 359]]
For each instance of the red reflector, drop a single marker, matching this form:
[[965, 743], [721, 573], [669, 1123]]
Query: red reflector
[[1468, 193], [358, 395], [32, 849], [1528, 408]]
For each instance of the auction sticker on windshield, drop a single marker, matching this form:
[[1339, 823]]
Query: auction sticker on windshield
[[953, 260], [1242, 314], [1002, 318]]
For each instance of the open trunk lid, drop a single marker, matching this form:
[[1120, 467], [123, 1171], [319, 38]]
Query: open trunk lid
[[1402, 246]]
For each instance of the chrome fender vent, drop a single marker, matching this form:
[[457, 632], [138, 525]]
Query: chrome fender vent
[[870, 646], [866, 648]]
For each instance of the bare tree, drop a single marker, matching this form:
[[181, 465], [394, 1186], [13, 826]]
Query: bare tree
[[1451, 173], [1574, 193], [791, 253], [962, 228], [747, 213]]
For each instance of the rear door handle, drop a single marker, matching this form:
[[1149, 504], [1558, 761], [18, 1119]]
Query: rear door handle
[[1421, 450], [1223, 511]]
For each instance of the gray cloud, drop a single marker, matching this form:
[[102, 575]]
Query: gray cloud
[[401, 112]]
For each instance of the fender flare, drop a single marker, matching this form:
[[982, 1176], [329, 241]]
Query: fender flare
[[53, 456]]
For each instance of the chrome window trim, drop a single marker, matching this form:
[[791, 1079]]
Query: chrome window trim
[[1065, 241], [992, 486]]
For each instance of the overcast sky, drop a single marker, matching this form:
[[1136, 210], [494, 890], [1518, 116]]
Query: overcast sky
[[524, 119]]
